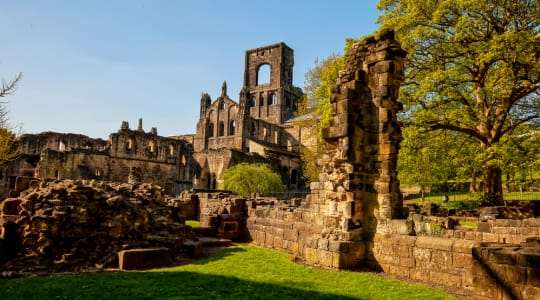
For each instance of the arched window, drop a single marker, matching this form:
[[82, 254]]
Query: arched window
[[263, 74], [253, 130], [171, 149], [152, 146], [294, 176], [261, 100], [232, 127], [210, 130], [221, 130], [266, 132], [61, 146], [129, 144], [272, 100], [222, 105], [252, 100]]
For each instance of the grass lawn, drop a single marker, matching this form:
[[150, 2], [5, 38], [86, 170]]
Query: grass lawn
[[464, 197], [246, 272]]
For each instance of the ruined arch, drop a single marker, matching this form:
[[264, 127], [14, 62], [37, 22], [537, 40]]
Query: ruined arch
[[232, 127], [221, 129], [263, 74]]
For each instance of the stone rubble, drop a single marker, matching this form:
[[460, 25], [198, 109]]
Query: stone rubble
[[72, 225]]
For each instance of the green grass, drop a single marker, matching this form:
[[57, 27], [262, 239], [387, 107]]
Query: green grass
[[246, 272], [468, 223], [464, 197], [193, 223]]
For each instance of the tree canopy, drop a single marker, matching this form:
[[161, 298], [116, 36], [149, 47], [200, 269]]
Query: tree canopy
[[472, 68], [245, 178]]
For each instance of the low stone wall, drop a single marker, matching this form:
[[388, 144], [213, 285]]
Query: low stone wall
[[510, 231], [481, 270], [286, 226]]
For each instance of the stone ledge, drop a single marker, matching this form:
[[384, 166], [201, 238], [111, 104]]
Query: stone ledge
[[434, 243]]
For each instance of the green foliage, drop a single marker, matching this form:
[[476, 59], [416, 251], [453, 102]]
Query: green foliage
[[193, 223], [246, 272], [472, 68], [245, 178]]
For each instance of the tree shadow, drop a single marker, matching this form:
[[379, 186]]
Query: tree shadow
[[154, 285]]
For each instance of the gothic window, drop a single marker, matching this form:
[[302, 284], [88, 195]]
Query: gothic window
[[210, 130], [232, 127], [294, 176], [152, 146], [222, 105], [266, 132], [253, 131], [97, 173], [272, 100], [221, 131], [61, 146], [252, 101], [263, 74], [129, 144]]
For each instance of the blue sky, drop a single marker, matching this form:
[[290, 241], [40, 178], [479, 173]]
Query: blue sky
[[89, 65]]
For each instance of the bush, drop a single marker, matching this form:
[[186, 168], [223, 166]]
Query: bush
[[245, 179]]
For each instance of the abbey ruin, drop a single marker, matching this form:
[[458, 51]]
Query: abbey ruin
[[353, 217], [258, 128]]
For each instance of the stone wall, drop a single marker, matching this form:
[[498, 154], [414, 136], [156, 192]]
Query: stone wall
[[481, 270]]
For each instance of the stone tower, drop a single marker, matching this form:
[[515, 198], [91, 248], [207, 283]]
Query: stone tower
[[268, 76]]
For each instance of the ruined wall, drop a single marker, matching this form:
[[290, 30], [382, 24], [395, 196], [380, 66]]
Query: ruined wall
[[128, 156], [480, 270]]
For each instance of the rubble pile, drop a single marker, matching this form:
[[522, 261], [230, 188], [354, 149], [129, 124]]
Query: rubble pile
[[72, 225]]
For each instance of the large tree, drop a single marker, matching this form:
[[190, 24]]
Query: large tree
[[472, 67]]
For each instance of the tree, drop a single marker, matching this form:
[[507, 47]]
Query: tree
[[473, 68], [245, 178], [315, 110], [9, 147]]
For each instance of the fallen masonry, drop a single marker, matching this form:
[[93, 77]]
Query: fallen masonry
[[75, 225]]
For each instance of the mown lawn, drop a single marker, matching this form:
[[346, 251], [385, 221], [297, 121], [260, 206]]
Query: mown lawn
[[246, 272]]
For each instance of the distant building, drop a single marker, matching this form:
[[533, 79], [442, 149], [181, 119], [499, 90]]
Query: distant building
[[257, 128]]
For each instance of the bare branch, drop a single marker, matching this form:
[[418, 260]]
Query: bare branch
[[9, 88]]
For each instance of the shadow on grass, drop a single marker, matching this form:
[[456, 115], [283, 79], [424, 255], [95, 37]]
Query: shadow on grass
[[219, 255], [151, 285]]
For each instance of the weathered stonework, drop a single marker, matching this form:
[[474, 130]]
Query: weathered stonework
[[256, 129], [133, 156]]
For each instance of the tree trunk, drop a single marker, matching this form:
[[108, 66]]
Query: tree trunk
[[492, 187]]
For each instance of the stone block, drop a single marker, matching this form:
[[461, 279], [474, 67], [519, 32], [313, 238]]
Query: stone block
[[463, 246], [419, 274], [443, 258], [143, 258], [529, 292], [193, 248], [447, 279], [434, 243], [462, 260], [421, 255]]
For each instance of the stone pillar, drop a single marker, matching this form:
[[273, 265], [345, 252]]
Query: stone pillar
[[358, 190]]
